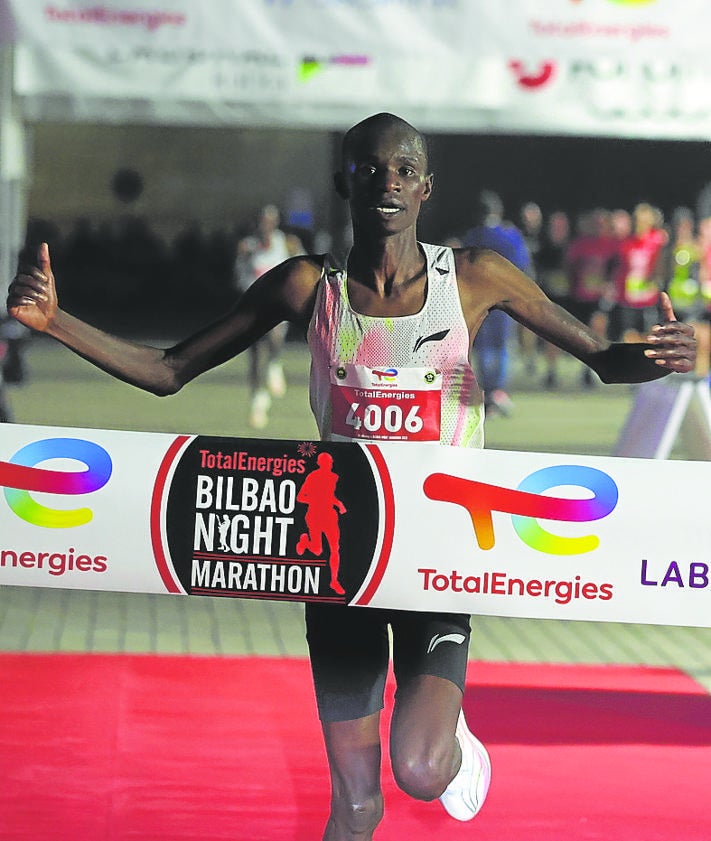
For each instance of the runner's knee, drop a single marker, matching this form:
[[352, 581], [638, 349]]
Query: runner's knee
[[358, 816], [424, 776]]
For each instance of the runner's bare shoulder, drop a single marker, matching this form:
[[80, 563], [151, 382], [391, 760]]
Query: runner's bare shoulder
[[295, 281]]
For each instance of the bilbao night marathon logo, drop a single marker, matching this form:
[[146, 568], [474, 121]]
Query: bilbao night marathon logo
[[529, 502], [252, 518], [20, 476]]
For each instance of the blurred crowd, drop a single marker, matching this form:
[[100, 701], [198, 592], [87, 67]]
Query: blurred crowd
[[121, 265], [607, 266]]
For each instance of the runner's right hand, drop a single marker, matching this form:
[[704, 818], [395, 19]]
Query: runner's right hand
[[32, 296]]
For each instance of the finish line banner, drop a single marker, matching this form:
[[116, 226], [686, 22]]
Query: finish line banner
[[414, 526]]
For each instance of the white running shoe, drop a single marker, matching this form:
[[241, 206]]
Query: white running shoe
[[465, 795], [276, 382]]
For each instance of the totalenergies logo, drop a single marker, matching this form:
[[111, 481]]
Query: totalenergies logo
[[528, 503], [384, 375], [20, 477]]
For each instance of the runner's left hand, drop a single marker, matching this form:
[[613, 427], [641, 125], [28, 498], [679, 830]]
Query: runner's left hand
[[674, 345]]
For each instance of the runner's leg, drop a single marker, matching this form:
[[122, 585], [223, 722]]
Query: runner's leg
[[433, 752], [349, 651], [353, 750], [424, 751]]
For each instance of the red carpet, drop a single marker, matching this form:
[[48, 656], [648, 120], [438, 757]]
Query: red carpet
[[99, 748]]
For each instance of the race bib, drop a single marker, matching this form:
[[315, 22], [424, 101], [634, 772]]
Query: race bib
[[386, 404]]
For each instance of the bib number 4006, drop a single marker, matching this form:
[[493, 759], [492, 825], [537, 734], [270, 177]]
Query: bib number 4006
[[385, 405], [389, 419]]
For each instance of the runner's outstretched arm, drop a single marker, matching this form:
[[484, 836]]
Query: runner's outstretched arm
[[284, 294], [490, 281], [670, 347]]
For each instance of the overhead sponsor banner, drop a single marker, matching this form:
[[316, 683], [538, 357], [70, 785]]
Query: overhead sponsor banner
[[368, 524], [620, 67]]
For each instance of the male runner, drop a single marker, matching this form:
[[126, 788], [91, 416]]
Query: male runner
[[393, 290]]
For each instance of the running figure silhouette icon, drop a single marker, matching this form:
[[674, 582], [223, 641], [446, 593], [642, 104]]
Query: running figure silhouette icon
[[318, 493]]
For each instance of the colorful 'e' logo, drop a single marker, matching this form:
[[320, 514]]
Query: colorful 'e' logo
[[528, 502], [19, 476], [389, 375]]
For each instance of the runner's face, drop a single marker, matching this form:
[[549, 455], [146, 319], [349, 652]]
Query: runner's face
[[386, 181]]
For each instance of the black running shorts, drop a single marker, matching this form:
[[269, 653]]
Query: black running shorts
[[349, 649]]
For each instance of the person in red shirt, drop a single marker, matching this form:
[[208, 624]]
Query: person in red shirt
[[638, 278], [590, 261]]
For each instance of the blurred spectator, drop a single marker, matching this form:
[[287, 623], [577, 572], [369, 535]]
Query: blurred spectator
[[591, 260], [531, 219], [532, 232], [639, 274], [621, 222], [553, 279], [266, 248], [491, 345], [682, 266], [552, 270]]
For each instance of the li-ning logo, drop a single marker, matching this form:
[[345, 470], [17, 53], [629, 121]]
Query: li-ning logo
[[19, 476], [388, 375], [435, 337], [458, 639], [528, 503]]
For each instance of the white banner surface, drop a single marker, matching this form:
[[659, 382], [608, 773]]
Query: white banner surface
[[484, 532], [637, 68]]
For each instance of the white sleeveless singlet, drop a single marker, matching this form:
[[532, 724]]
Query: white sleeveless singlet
[[396, 378]]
